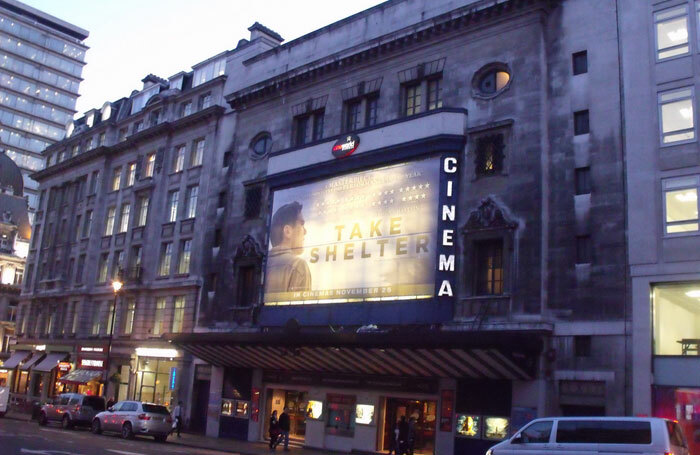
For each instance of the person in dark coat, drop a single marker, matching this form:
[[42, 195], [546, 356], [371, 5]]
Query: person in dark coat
[[393, 441], [403, 435], [274, 430], [284, 428], [411, 435]]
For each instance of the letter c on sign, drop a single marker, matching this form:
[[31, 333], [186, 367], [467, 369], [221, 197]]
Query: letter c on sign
[[450, 165]]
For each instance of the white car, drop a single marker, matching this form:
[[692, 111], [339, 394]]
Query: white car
[[594, 435], [130, 418]]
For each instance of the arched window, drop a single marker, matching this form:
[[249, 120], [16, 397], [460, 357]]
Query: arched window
[[491, 80], [261, 145]]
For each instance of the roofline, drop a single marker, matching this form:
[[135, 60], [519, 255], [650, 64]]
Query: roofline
[[45, 19]]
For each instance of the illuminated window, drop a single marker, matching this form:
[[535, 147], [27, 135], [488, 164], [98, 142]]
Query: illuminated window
[[129, 316], [489, 154], [491, 80], [102, 268], [183, 266], [191, 201], [412, 99], [671, 27], [130, 174], [173, 199], [150, 164], [489, 267], [677, 121], [434, 94], [143, 211], [681, 205], [166, 254], [179, 159], [116, 178], [676, 318], [109, 225], [96, 319], [197, 153], [124, 217], [178, 313], [159, 317]]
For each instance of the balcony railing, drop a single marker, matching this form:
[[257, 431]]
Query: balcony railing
[[484, 307]]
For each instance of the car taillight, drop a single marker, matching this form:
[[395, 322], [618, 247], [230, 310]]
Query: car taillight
[[144, 417], [169, 419], [77, 408], [668, 453]]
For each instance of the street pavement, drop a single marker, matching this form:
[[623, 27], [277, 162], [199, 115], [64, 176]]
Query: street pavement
[[28, 438]]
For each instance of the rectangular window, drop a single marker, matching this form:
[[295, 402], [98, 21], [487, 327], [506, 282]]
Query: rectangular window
[[582, 179], [434, 94], [36, 235], [186, 109], [583, 249], [69, 271], [489, 267], [222, 199], [122, 134], [134, 261], [117, 264], [159, 316], [197, 153], [371, 110], [150, 164], [246, 288], [143, 211], [81, 269], [74, 322], [183, 265], [217, 237], [412, 99], [318, 125], [676, 115], [102, 268], [581, 125], [490, 152], [87, 224], [253, 201], [204, 101], [340, 419], [91, 143], [676, 319], [179, 158], [173, 198], [681, 205], [129, 316], [93, 182], [579, 61], [582, 346], [124, 217], [101, 140], [154, 118], [178, 313], [166, 254], [301, 126], [352, 115], [96, 319], [76, 150], [116, 178], [671, 27], [109, 225], [603, 432], [130, 174], [138, 126], [192, 194], [109, 327]]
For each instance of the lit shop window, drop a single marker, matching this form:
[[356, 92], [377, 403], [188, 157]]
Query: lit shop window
[[671, 28], [340, 419], [468, 426], [676, 116], [364, 414], [681, 205], [676, 318], [496, 428], [314, 410]]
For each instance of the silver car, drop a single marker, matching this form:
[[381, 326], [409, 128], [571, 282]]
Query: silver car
[[132, 418], [71, 409]]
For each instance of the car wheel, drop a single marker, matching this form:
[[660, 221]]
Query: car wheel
[[161, 438], [96, 428], [66, 422], [42, 419], [127, 432]]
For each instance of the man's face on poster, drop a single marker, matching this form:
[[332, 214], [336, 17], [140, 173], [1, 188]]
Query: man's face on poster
[[294, 235]]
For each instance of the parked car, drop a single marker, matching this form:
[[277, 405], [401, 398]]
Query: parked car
[[593, 435], [4, 400], [72, 409], [132, 418]]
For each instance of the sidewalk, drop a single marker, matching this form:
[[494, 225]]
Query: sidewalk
[[238, 447], [14, 415]]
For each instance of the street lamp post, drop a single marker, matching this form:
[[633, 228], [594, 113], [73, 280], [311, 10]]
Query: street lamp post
[[116, 286]]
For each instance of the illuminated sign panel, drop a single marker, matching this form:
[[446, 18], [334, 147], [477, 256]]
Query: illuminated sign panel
[[91, 363], [367, 236]]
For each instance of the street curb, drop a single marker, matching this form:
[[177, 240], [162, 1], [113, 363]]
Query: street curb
[[202, 446], [13, 417]]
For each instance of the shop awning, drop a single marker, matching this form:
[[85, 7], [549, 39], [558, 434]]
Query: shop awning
[[36, 357], [15, 359], [433, 354], [81, 376], [50, 362]]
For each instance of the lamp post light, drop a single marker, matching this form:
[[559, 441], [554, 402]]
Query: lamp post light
[[116, 286]]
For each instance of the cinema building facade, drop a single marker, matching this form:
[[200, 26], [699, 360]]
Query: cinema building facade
[[422, 220]]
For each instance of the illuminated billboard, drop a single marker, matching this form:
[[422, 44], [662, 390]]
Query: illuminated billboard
[[367, 236]]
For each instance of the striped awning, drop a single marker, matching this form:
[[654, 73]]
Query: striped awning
[[427, 355], [81, 376]]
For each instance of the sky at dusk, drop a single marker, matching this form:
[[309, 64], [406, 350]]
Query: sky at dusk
[[132, 38]]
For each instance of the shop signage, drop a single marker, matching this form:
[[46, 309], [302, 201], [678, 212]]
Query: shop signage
[[95, 349], [344, 146], [446, 409], [368, 236], [94, 364], [255, 404], [155, 352], [40, 347], [173, 378], [3, 370], [64, 367], [407, 384]]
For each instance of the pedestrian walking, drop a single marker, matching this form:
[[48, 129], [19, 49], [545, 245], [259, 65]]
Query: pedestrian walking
[[177, 416], [394, 440], [403, 436], [110, 402], [274, 430], [284, 428], [411, 435]]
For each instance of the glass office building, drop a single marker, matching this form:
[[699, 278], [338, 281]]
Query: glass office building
[[41, 61]]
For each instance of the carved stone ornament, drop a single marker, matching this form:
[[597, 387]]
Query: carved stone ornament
[[489, 216], [248, 248]]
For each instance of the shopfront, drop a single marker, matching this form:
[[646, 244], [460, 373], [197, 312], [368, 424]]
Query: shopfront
[[88, 376], [157, 375]]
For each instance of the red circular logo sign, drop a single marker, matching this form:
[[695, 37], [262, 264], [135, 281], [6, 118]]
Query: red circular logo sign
[[345, 146]]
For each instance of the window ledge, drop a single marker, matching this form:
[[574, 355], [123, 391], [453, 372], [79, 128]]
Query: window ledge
[[681, 235], [162, 277], [175, 173], [181, 275], [198, 166]]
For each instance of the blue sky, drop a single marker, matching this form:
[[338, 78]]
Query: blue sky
[[131, 38]]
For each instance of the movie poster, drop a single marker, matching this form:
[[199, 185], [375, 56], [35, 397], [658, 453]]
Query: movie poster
[[367, 236]]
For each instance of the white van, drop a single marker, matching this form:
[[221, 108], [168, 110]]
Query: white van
[[596, 435]]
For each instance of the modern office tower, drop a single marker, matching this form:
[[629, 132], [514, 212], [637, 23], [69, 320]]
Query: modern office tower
[[41, 61]]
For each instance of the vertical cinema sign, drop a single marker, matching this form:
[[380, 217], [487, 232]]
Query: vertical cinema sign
[[447, 227]]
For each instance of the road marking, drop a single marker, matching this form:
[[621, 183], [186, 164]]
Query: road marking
[[124, 452]]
